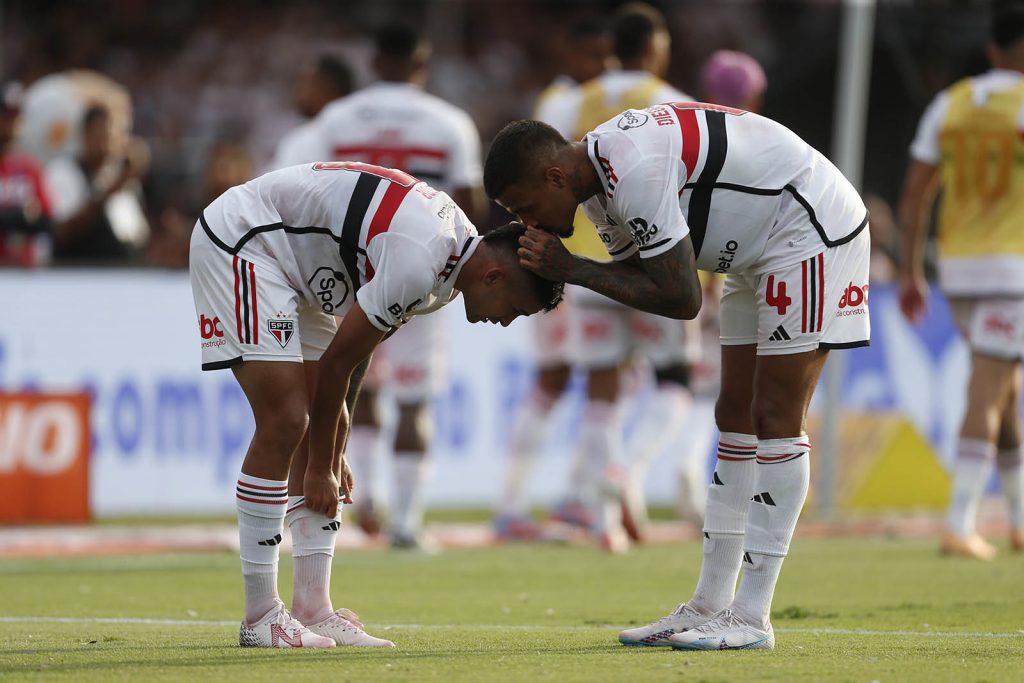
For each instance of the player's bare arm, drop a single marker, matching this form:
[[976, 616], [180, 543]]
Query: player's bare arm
[[917, 187], [666, 284], [329, 415]]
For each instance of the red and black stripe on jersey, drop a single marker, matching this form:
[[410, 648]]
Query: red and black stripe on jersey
[[370, 178]]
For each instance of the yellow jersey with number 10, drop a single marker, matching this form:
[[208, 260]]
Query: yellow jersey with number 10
[[982, 162]]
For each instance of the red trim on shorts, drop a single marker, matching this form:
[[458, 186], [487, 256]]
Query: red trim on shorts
[[255, 320], [803, 309], [238, 302], [821, 289]]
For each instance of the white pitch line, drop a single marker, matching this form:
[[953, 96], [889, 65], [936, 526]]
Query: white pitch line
[[142, 621]]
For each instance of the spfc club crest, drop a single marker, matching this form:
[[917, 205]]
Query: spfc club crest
[[282, 330]]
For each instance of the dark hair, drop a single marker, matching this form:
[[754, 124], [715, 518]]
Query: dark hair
[[587, 26], [397, 41], [1007, 23], [634, 25], [94, 113], [515, 150], [506, 238], [337, 73]]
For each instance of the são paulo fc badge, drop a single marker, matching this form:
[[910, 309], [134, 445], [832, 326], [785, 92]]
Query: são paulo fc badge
[[282, 330]]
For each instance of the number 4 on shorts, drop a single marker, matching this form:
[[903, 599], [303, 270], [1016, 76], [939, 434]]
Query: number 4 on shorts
[[777, 297]]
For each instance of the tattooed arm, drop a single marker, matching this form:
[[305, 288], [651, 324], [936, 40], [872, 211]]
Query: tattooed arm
[[665, 285]]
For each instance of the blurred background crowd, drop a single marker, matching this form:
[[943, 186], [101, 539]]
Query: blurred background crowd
[[198, 93]]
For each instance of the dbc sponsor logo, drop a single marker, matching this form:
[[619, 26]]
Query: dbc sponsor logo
[[210, 327], [997, 324], [854, 296]]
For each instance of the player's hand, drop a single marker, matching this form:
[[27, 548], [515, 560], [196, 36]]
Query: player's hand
[[913, 297], [347, 481], [543, 253], [321, 490]]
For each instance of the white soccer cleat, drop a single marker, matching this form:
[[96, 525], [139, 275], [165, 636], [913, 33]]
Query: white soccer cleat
[[277, 629], [725, 632], [344, 628], [681, 619]]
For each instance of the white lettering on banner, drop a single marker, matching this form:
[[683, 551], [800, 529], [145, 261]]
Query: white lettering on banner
[[43, 441]]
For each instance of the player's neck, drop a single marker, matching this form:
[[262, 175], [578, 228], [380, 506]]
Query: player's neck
[[583, 179]]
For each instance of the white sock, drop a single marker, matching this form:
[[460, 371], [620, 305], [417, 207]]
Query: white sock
[[528, 432], [1009, 463], [971, 470], [261, 506], [780, 489], [725, 518], [313, 538], [363, 453], [690, 451], [410, 471], [598, 446], [659, 425]]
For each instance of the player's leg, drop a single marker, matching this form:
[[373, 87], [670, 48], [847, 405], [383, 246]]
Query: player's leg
[[1009, 458], [314, 534], [417, 360], [732, 484], [599, 330], [230, 292], [803, 311], [529, 427], [365, 450], [990, 387]]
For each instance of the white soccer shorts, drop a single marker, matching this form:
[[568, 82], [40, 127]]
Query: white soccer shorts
[[993, 326], [410, 365], [603, 333], [821, 302], [246, 310]]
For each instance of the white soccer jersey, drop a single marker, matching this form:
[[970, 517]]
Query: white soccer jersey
[[752, 195], [398, 125], [342, 231]]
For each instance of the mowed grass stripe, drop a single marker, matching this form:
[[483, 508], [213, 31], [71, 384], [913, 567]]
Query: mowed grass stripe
[[495, 627]]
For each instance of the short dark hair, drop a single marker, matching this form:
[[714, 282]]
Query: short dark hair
[[634, 25], [506, 238], [397, 41], [515, 150], [587, 26], [337, 73], [1007, 23]]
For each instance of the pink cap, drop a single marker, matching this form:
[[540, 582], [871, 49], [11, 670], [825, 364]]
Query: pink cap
[[732, 78]]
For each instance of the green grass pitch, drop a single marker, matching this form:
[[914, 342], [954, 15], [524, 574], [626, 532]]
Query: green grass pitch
[[845, 610]]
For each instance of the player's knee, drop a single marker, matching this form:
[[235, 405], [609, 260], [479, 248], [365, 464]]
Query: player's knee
[[775, 418], [552, 381], [285, 425], [414, 428], [732, 413]]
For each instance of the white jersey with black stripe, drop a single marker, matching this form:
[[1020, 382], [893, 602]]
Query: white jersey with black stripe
[[398, 125], [752, 195], [344, 231]]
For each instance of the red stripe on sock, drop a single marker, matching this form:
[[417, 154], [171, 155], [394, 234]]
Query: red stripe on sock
[[722, 444], [263, 488], [730, 457], [257, 500]]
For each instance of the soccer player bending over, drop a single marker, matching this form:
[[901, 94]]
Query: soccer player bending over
[[685, 186], [273, 263]]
